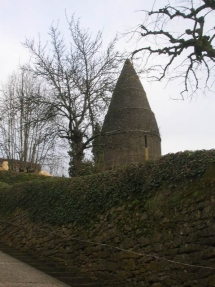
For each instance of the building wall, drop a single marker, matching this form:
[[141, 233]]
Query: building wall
[[126, 134], [125, 147]]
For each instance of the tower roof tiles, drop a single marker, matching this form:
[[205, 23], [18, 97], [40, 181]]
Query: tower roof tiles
[[130, 133], [129, 108]]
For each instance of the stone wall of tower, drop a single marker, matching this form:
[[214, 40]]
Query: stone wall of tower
[[130, 147], [130, 133]]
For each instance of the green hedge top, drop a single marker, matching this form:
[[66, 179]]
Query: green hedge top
[[81, 199], [12, 177]]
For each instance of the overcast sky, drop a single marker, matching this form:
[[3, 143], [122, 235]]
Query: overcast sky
[[184, 125]]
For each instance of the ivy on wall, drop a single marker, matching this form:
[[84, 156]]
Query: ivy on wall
[[82, 199]]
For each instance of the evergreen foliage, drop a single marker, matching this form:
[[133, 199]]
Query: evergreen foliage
[[12, 177], [84, 198]]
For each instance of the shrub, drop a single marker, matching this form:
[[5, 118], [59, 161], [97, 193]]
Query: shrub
[[82, 199]]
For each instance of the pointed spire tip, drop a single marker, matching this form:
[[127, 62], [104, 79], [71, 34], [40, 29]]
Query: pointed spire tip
[[127, 61]]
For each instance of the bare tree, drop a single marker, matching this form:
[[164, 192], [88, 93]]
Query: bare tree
[[181, 44], [23, 135], [81, 77]]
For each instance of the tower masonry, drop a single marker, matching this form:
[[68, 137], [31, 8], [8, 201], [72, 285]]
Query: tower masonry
[[130, 133]]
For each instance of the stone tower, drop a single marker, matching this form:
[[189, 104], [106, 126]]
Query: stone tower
[[130, 133]]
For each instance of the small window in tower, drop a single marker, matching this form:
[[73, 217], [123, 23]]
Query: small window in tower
[[146, 141]]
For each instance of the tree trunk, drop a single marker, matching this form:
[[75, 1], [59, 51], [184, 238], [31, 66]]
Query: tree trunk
[[76, 156]]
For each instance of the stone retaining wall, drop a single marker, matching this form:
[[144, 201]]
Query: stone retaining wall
[[171, 235]]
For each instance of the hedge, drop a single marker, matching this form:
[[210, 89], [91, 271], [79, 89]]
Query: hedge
[[82, 199]]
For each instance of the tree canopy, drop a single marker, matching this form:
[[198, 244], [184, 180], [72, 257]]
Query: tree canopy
[[81, 76]]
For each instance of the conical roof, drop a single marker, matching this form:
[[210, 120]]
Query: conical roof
[[130, 133], [129, 91], [129, 108]]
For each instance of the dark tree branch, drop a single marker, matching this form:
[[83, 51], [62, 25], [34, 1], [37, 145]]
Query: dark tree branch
[[194, 46]]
